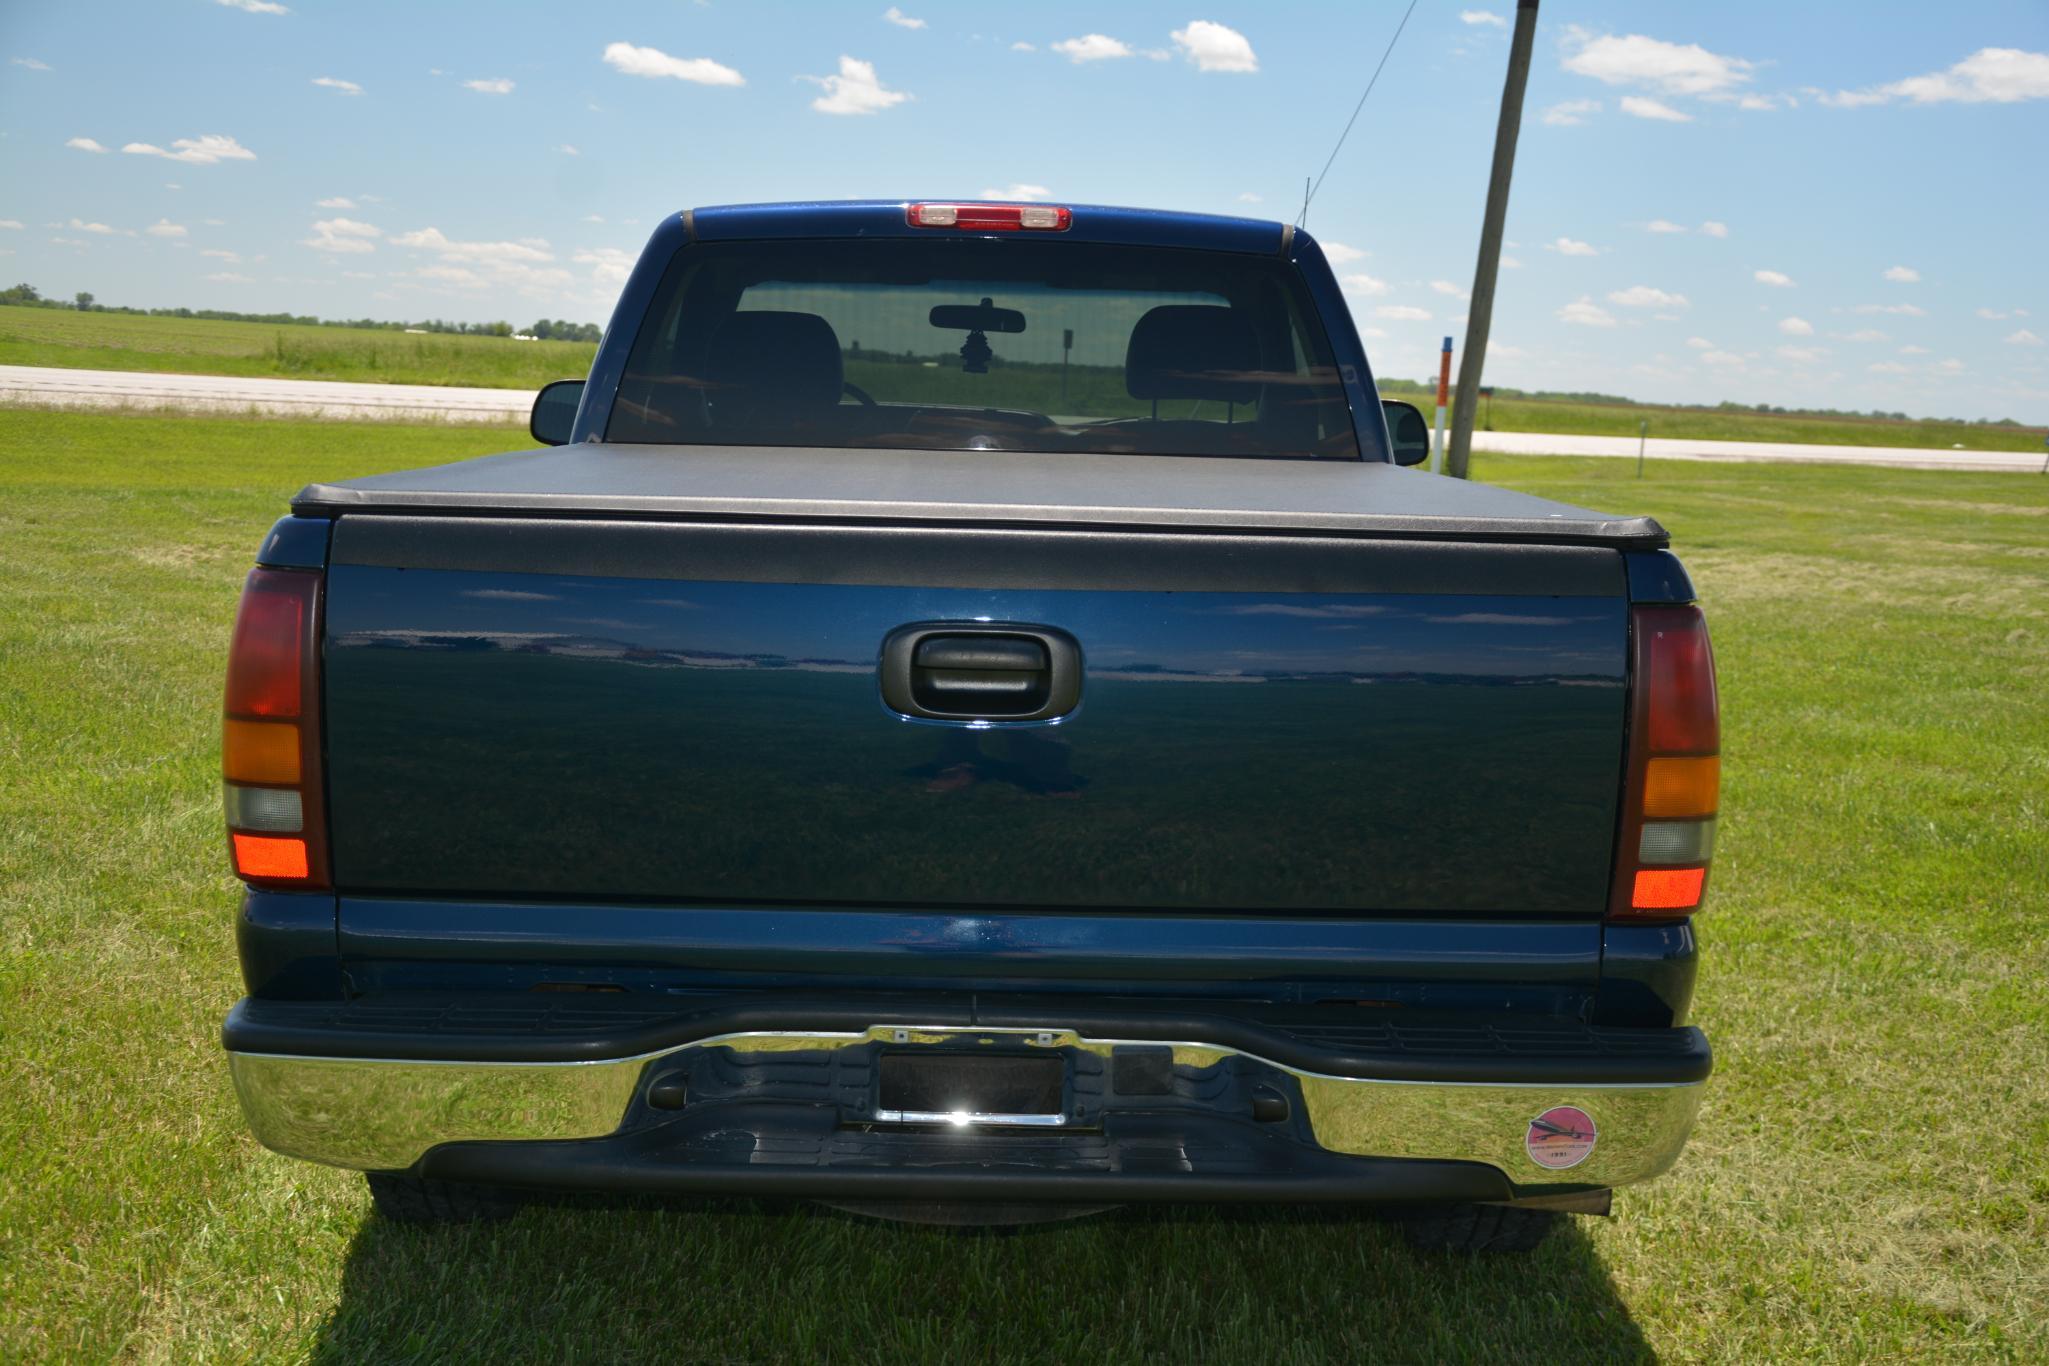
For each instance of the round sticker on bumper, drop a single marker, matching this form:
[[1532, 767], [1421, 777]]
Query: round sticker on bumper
[[1563, 1136]]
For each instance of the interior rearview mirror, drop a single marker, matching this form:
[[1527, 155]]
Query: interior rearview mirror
[[982, 317], [1407, 432], [554, 415]]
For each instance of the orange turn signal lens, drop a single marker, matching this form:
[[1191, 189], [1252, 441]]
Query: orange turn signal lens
[[1681, 788], [269, 856], [1659, 889], [260, 751]]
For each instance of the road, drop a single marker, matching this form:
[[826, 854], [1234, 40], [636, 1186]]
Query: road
[[329, 398]]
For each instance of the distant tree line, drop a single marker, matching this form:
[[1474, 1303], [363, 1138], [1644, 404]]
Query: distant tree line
[[547, 329]]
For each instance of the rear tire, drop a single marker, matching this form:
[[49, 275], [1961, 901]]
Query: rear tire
[[422, 1200], [1479, 1228]]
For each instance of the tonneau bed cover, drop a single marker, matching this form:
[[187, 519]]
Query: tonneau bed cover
[[1020, 488]]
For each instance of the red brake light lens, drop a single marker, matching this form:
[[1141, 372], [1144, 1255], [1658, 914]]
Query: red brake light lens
[[1680, 674], [990, 217], [264, 661]]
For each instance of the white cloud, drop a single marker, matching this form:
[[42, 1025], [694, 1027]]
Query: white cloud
[[1482, 16], [164, 227], [1727, 359], [1951, 366], [1249, 197], [1670, 68], [1801, 355], [84, 145], [1511, 263], [569, 150], [1644, 107], [1903, 275], [1713, 229], [1866, 334], [221, 254], [1024, 47], [1091, 47], [1915, 351], [342, 236], [229, 277], [2023, 338], [494, 85], [609, 265], [1402, 313], [1566, 246], [1021, 192], [1991, 75], [1796, 327], [1662, 225], [1700, 343], [337, 83], [1888, 367], [1571, 113], [1586, 313], [1338, 254], [11, 224], [1446, 287], [204, 150], [893, 15], [1214, 47], [653, 64], [1645, 296], [31, 63], [1904, 310], [1776, 279], [254, 6], [1364, 284], [531, 249], [97, 229], [855, 90], [338, 202]]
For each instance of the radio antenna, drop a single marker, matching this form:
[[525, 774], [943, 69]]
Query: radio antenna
[[1310, 192]]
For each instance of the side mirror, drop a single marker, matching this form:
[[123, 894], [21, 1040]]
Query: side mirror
[[1407, 432], [554, 415]]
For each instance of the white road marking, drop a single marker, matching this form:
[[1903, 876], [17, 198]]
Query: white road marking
[[331, 398]]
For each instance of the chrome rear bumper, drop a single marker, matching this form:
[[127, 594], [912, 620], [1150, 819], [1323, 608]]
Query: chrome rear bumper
[[389, 1114]]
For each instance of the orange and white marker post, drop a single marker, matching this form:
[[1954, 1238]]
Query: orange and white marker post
[[1443, 401]]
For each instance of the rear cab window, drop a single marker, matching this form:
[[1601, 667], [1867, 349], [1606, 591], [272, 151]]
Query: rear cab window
[[970, 344]]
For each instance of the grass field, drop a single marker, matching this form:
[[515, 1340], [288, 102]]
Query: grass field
[[204, 346], [118, 341], [1868, 1180]]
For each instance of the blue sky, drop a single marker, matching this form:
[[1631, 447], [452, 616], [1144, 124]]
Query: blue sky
[[1836, 205]]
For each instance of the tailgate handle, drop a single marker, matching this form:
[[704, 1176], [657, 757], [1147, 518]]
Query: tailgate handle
[[948, 671]]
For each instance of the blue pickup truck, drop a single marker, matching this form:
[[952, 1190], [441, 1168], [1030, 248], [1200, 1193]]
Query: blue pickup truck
[[965, 716]]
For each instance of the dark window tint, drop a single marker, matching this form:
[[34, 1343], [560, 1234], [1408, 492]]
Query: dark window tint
[[970, 344]]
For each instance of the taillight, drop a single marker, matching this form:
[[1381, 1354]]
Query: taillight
[[990, 217], [270, 733], [1673, 783]]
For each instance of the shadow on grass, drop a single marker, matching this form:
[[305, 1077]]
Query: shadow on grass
[[747, 1281]]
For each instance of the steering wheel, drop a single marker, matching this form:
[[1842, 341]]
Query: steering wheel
[[857, 392]]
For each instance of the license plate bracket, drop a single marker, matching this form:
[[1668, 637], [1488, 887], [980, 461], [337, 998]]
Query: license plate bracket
[[944, 1087]]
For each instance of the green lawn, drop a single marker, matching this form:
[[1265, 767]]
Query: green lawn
[[1868, 1179], [206, 346]]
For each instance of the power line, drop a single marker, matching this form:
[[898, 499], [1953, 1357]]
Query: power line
[[1303, 218]]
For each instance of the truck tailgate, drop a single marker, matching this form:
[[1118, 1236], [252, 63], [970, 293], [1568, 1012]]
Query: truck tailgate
[[683, 709]]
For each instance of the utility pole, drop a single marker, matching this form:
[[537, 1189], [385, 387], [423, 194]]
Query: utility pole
[[1480, 313]]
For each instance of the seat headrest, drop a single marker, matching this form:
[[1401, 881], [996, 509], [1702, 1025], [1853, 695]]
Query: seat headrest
[[1192, 351], [785, 359]]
